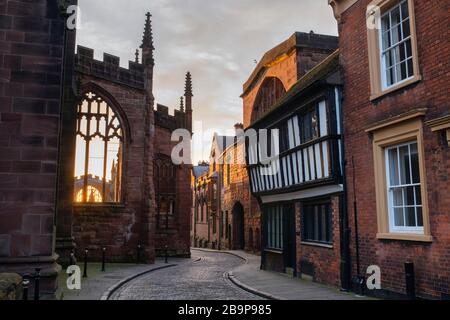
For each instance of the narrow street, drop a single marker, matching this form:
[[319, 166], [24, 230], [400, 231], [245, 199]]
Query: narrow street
[[201, 278]]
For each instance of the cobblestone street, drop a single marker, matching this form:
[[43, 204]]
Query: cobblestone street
[[197, 279]]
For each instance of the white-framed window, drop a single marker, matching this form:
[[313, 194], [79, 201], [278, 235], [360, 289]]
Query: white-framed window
[[397, 63], [404, 189]]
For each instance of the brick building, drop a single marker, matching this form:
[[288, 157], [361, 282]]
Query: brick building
[[80, 165], [199, 221], [240, 214], [225, 215], [396, 127]]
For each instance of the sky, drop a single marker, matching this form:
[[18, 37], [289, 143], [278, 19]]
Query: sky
[[218, 41]]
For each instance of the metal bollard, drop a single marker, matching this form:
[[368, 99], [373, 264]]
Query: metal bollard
[[85, 263], [410, 280], [72, 260], [103, 259], [138, 256], [166, 255], [37, 279], [25, 284]]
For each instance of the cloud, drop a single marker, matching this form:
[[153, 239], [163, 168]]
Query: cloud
[[217, 40]]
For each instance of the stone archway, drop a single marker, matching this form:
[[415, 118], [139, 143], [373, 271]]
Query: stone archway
[[238, 227]]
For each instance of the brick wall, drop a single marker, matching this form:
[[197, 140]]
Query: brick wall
[[432, 261], [31, 58], [325, 261], [238, 191]]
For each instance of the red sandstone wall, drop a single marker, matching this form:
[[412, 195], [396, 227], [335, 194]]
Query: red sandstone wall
[[119, 228], [432, 261], [178, 240], [31, 56]]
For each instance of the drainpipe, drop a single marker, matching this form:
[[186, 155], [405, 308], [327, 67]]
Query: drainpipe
[[359, 280], [346, 269]]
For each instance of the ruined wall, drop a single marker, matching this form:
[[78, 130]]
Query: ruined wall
[[31, 59], [119, 227]]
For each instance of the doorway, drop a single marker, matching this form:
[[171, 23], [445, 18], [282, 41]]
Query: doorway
[[238, 227]]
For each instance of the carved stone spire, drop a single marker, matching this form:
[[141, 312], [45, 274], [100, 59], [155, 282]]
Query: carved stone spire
[[188, 100], [182, 104], [147, 42], [137, 56], [188, 85]]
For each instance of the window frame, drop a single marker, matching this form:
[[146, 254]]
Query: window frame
[[401, 129], [374, 38], [275, 227], [392, 227], [123, 137], [314, 204]]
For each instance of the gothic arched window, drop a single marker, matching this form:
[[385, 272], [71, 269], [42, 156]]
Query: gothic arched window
[[99, 147], [269, 93]]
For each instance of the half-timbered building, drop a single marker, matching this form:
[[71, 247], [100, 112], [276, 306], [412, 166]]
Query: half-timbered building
[[294, 157]]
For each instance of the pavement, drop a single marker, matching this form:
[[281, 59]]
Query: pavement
[[100, 284], [208, 275], [273, 285]]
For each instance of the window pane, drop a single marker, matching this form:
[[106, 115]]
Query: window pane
[[402, 52], [406, 29], [396, 34], [398, 217], [393, 167], [397, 195], [418, 196], [410, 217], [410, 68], [410, 196], [386, 40], [405, 177], [395, 16], [403, 71], [385, 23], [405, 11], [419, 217], [415, 163]]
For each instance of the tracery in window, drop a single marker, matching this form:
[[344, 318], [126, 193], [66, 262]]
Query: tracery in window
[[99, 147]]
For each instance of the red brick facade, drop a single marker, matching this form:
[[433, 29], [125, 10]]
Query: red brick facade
[[325, 261], [238, 200], [431, 260]]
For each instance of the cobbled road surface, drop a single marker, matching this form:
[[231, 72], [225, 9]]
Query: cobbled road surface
[[189, 280]]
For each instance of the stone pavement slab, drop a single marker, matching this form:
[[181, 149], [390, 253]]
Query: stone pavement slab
[[98, 283]]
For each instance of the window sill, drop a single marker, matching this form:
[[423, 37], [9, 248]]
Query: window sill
[[378, 95], [317, 244], [276, 251], [405, 237]]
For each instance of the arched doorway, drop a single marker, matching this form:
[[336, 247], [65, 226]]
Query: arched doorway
[[238, 227]]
